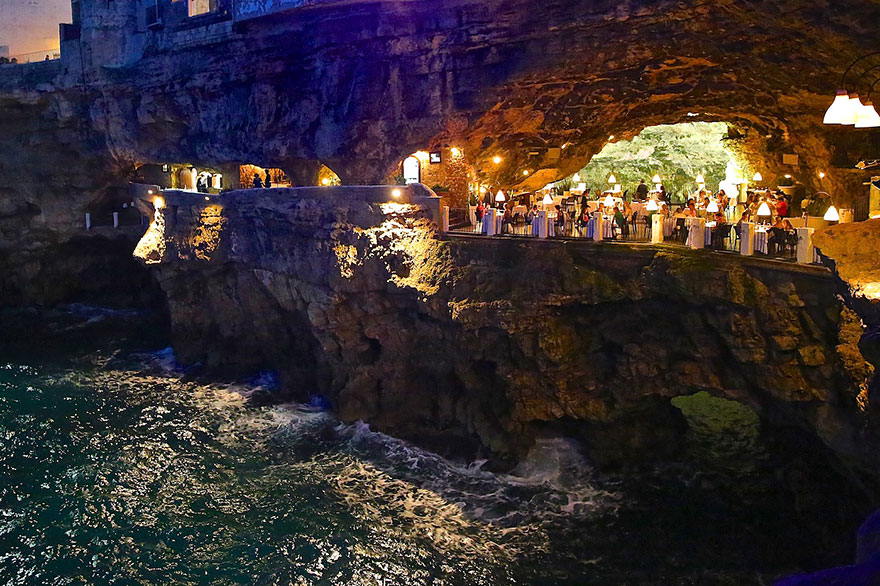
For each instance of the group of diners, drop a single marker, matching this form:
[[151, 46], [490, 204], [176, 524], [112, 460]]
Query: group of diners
[[575, 216]]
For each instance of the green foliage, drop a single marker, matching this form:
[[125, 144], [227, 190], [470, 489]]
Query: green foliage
[[677, 152]]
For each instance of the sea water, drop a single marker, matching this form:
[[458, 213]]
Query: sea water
[[120, 471]]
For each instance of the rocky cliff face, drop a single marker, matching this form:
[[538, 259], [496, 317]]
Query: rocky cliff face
[[358, 86], [469, 344]]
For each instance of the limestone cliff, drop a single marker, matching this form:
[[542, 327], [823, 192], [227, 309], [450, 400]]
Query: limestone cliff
[[480, 342]]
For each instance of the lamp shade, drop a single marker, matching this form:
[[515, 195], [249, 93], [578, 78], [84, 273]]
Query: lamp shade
[[712, 208], [548, 201], [500, 196], [867, 117], [612, 178], [757, 178], [609, 202], [836, 112], [764, 210], [700, 179], [854, 106], [831, 215], [652, 205], [576, 178]]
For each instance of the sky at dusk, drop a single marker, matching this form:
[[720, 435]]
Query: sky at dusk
[[31, 25]]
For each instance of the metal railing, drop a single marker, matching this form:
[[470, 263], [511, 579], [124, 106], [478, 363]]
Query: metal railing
[[36, 56]]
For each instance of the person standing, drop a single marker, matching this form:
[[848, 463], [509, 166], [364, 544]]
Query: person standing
[[268, 184], [258, 181], [642, 191]]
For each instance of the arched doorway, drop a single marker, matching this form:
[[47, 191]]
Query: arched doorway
[[412, 170]]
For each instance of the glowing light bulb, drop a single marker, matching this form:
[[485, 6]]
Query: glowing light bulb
[[455, 152], [525, 173], [497, 160], [821, 175], [325, 181], [395, 194]]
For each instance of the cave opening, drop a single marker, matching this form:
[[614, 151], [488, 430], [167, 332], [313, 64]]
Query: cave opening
[[676, 154]]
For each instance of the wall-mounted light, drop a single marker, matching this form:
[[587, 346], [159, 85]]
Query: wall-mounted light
[[497, 160], [526, 173], [821, 175]]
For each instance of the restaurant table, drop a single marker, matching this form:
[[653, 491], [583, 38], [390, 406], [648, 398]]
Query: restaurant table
[[607, 227], [761, 239]]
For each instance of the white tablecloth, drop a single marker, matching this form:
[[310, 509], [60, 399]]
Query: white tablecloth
[[761, 241]]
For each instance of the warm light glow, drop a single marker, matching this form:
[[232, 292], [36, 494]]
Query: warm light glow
[[656, 179], [207, 198], [455, 152], [612, 178], [821, 175], [712, 208], [855, 105], [500, 196], [526, 173], [831, 215], [547, 200], [395, 193], [576, 178], [652, 205], [701, 180], [421, 156], [867, 117], [787, 176], [837, 111], [325, 181], [149, 192], [483, 189], [158, 202], [497, 160], [757, 178], [609, 202], [764, 210], [611, 137]]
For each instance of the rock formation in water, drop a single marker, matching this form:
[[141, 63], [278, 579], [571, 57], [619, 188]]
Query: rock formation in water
[[461, 344]]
